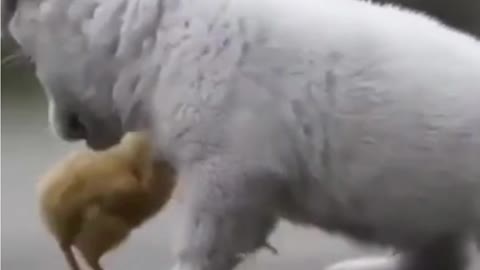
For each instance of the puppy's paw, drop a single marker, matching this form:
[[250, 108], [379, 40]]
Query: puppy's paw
[[367, 263]]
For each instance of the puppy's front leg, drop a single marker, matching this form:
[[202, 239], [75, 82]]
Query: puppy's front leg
[[228, 214]]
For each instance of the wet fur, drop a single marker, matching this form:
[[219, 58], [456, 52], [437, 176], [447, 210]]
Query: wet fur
[[93, 200]]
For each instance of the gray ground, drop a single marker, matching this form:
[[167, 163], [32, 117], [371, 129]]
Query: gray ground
[[29, 148]]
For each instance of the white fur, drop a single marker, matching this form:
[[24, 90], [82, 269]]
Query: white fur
[[341, 114], [368, 263], [398, 122]]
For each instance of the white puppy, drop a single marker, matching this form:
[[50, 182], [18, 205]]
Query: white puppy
[[356, 118]]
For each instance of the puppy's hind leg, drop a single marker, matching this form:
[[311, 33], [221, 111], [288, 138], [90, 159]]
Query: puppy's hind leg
[[445, 253]]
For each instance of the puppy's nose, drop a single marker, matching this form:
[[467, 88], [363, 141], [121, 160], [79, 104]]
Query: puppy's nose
[[74, 128]]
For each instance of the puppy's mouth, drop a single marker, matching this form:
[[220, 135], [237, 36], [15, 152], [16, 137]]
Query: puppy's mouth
[[98, 135], [102, 140], [98, 145]]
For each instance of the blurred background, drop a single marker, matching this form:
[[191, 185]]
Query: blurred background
[[28, 148]]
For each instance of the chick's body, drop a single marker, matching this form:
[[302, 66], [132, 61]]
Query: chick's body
[[92, 200]]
